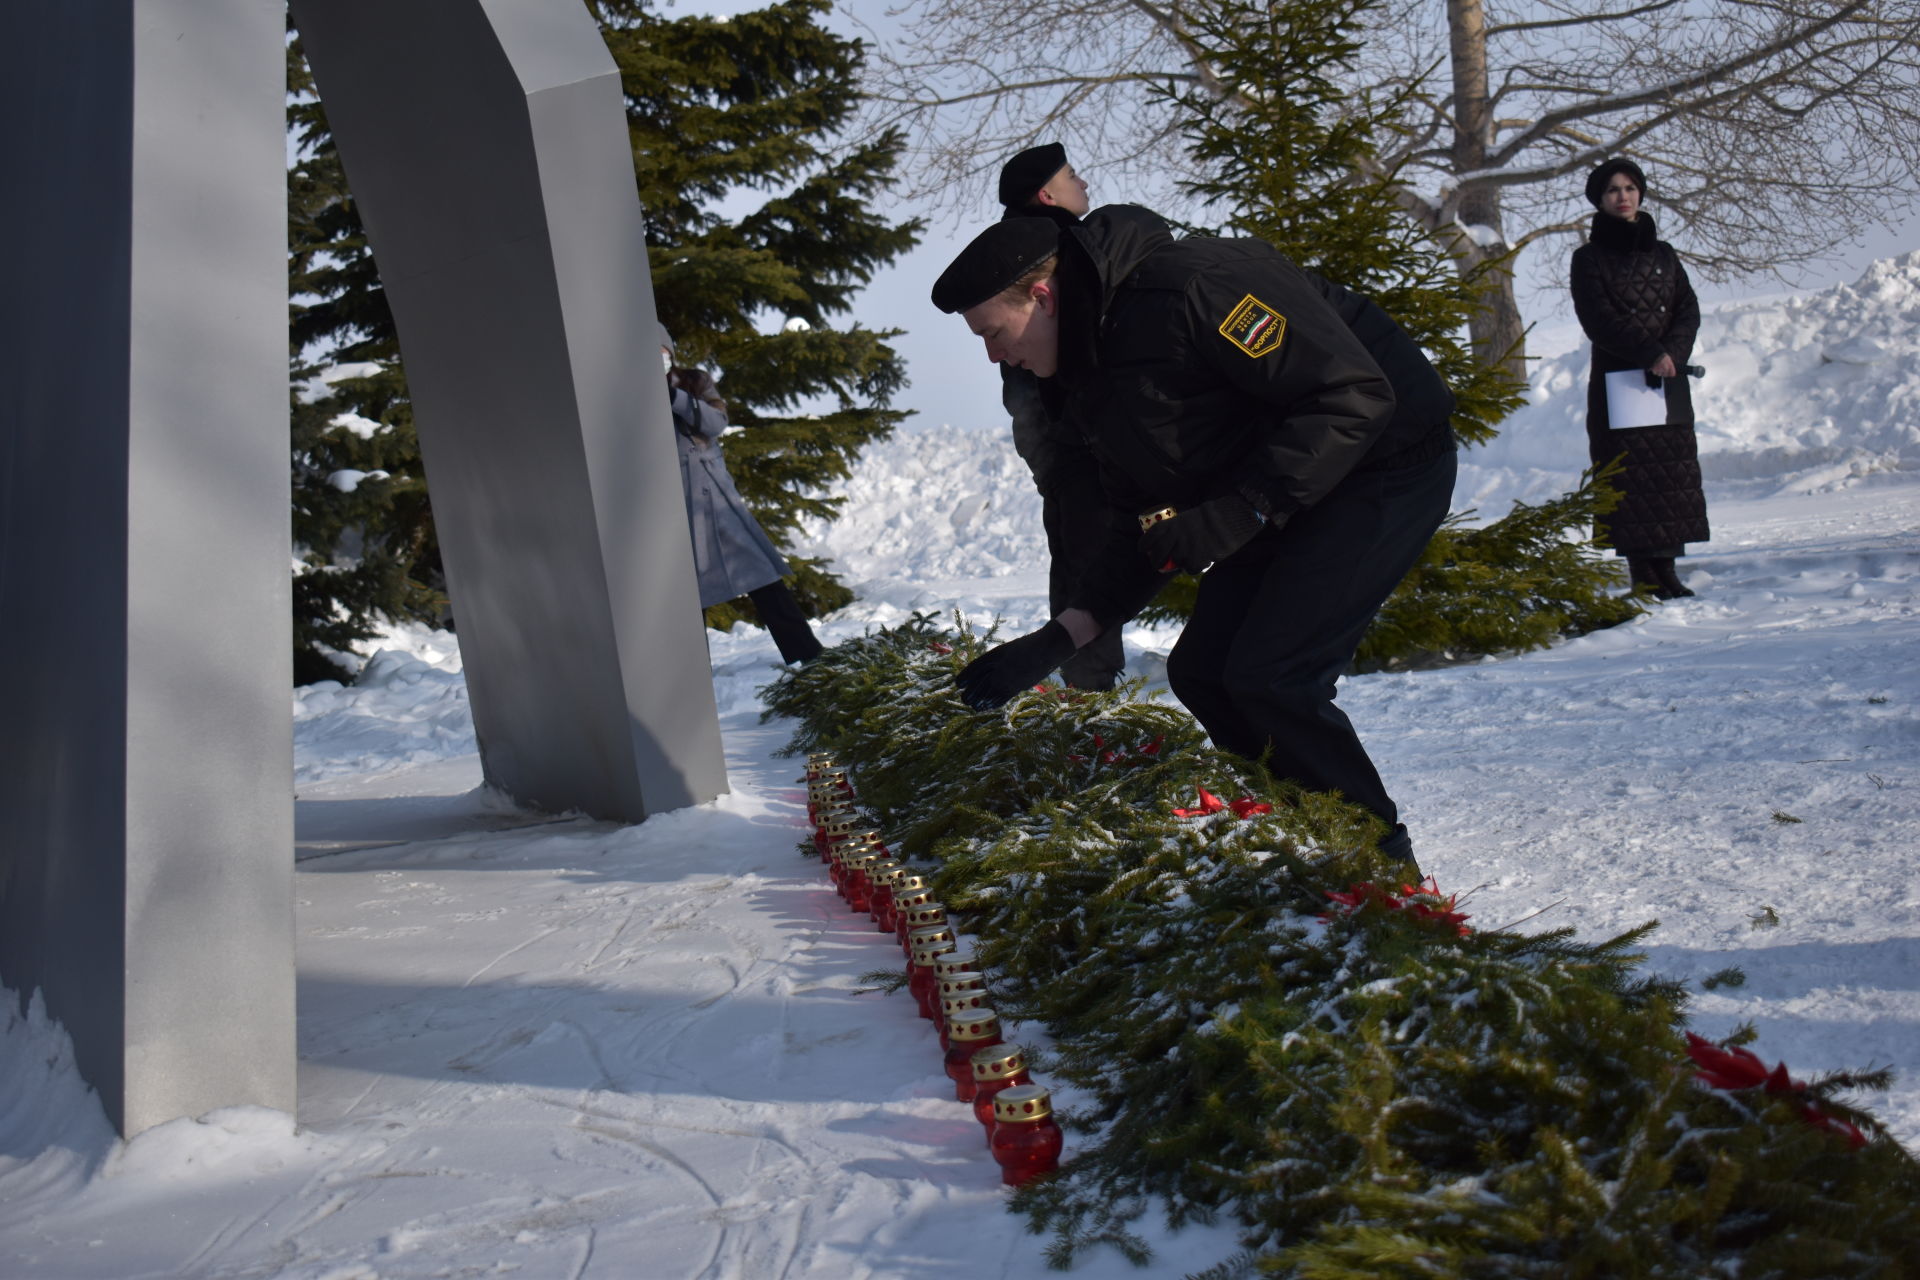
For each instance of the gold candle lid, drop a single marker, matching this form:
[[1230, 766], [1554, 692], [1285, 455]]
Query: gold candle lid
[[911, 883], [954, 983], [961, 960], [1022, 1102], [911, 899], [961, 1001], [929, 933], [999, 1062], [924, 914], [924, 956], [973, 1024], [883, 872]]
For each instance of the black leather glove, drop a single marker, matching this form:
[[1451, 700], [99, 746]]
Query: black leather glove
[[1201, 535], [1004, 670]]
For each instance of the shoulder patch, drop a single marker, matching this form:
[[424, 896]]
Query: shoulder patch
[[1254, 327]]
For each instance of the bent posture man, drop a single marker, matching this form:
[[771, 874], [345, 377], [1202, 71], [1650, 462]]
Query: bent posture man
[[1249, 420], [1038, 182]]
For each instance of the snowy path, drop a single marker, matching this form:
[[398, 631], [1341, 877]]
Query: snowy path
[[577, 1050], [585, 1050]]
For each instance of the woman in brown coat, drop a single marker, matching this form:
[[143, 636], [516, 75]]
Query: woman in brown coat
[[1633, 300]]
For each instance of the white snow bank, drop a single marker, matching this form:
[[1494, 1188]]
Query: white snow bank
[[1805, 392]]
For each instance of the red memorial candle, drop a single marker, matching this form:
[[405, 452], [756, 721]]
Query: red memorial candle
[[996, 1067], [1026, 1142], [920, 974], [968, 1032]]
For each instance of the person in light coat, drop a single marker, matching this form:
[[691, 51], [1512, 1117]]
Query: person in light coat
[[732, 555]]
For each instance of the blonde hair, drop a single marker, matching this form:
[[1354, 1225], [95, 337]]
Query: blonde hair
[[1019, 290]]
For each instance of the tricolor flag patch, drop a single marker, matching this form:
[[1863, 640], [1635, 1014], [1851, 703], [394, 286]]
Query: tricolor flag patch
[[1254, 327]]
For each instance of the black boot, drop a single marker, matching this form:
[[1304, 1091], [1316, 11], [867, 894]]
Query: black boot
[[1397, 844], [1641, 573], [1671, 588]]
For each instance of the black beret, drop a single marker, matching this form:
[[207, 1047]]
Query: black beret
[[1597, 180], [997, 257], [1029, 171]]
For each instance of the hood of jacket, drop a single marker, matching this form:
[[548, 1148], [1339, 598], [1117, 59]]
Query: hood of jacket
[[1113, 240], [1097, 254]]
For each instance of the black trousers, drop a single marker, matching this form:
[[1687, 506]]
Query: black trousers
[[788, 626], [1074, 514], [1278, 621]]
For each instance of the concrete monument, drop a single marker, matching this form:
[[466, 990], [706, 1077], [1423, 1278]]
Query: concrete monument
[[146, 852], [486, 145], [146, 807]]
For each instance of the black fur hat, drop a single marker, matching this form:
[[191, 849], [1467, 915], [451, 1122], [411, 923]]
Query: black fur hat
[[1597, 180]]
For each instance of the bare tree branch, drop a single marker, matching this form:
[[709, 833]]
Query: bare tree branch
[[1772, 130]]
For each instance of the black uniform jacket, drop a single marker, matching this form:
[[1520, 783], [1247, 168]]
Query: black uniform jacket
[[1202, 367]]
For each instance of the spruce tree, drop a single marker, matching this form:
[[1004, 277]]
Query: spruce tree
[[719, 111], [1295, 162], [1293, 159], [362, 527], [750, 108]]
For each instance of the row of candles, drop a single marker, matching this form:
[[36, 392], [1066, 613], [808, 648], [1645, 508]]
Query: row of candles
[[944, 979]]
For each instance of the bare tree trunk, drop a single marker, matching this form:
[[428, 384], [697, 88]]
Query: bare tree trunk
[[1474, 232]]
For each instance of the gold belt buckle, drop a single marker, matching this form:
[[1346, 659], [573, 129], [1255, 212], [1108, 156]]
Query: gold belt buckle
[[1152, 518]]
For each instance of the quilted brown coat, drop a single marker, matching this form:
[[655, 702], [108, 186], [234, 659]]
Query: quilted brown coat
[[1635, 304]]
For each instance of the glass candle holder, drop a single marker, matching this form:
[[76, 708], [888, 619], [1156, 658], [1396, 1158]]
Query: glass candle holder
[[882, 875], [1026, 1142], [996, 1067], [927, 935], [968, 1032], [957, 1002], [859, 888], [920, 975], [956, 962], [911, 912]]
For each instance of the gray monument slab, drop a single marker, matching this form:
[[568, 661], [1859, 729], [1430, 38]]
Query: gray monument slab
[[146, 773], [486, 145]]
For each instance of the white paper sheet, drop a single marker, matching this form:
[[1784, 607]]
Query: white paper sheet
[[1632, 403]]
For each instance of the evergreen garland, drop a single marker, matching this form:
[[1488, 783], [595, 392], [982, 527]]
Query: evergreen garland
[[1265, 1024]]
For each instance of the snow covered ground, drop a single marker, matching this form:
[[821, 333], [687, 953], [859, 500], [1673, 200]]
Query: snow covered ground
[[570, 1049]]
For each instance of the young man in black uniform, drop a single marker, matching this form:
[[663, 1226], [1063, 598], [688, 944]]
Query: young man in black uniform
[[1249, 420], [1038, 182]]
